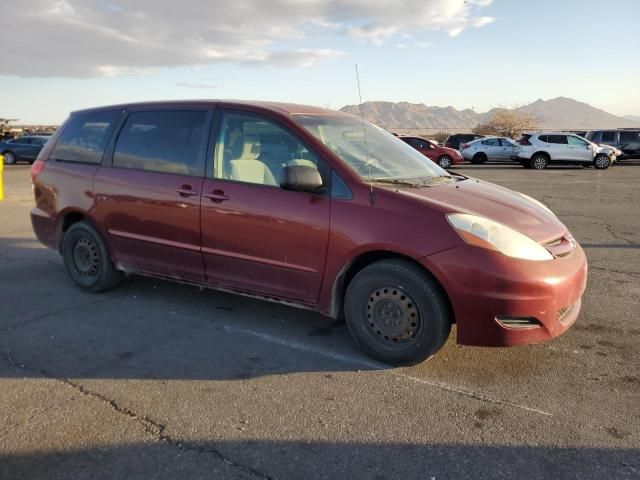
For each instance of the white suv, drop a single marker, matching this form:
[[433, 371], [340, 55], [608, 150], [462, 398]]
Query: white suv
[[538, 150]]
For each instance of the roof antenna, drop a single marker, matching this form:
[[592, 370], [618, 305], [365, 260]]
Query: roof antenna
[[364, 135]]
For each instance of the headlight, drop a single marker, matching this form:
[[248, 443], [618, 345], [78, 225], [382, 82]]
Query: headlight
[[484, 233], [540, 204]]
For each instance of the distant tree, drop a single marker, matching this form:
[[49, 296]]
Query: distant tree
[[507, 123], [440, 136]]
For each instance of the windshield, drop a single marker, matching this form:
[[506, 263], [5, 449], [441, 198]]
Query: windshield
[[384, 158]]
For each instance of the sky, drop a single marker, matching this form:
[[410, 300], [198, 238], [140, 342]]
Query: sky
[[63, 55]]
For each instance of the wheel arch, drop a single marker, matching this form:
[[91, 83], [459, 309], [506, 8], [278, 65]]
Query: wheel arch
[[350, 269]]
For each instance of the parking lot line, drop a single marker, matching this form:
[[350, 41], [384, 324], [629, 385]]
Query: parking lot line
[[308, 348]]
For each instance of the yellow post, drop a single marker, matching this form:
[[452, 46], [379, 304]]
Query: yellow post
[[1, 165]]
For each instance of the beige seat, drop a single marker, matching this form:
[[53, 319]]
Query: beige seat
[[247, 168]]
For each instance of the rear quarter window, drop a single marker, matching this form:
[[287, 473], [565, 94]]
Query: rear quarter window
[[86, 137], [168, 141], [626, 137]]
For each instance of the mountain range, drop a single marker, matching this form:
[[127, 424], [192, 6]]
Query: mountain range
[[559, 114]]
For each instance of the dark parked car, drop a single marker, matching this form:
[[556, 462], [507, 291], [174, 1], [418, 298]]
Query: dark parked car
[[454, 141], [443, 156], [22, 149], [309, 207], [627, 140]]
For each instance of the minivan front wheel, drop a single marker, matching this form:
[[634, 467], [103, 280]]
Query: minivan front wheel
[[87, 260], [397, 313]]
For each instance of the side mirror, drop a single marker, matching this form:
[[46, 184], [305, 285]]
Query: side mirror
[[301, 178]]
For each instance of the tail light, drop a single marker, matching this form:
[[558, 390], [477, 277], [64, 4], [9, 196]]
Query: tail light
[[463, 146], [36, 168]]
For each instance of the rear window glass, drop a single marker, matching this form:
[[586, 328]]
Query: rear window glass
[[86, 137], [162, 141], [608, 136], [628, 137], [562, 139]]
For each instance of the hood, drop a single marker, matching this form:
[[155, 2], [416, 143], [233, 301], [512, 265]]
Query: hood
[[494, 202]]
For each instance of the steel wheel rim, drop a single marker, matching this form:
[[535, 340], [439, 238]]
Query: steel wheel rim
[[86, 258], [393, 317]]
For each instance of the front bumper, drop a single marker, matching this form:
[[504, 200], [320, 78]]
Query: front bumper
[[486, 287]]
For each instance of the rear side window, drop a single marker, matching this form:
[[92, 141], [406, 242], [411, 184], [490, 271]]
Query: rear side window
[[162, 141], [543, 138], [22, 141], [492, 142], [561, 139], [626, 137], [86, 137], [608, 136]]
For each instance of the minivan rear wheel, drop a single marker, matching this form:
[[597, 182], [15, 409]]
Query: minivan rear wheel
[[87, 259], [397, 313]]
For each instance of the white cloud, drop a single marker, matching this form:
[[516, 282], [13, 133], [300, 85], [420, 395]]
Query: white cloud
[[86, 38]]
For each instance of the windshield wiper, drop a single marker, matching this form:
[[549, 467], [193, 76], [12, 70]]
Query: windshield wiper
[[437, 179], [395, 181]]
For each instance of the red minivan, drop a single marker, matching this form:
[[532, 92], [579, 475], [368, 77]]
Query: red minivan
[[310, 207]]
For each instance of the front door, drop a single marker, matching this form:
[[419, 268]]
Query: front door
[[148, 199], [579, 150], [257, 237]]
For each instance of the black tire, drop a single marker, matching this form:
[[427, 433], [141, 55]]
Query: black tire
[[602, 161], [87, 259], [479, 159], [397, 313], [9, 158], [445, 161], [539, 161]]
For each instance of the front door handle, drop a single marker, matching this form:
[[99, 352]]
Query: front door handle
[[186, 191], [216, 196]]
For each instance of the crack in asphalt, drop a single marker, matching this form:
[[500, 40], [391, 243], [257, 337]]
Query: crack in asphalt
[[155, 429], [608, 226], [56, 312], [623, 272]]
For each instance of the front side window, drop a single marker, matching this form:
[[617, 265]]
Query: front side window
[[254, 149], [370, 151], [576, 141], [169, 141], [22, 141], [86, 137]]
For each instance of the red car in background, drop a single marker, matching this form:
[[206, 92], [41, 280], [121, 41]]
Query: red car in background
[[443, 156]]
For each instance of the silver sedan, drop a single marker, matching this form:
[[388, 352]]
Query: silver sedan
[[488, 148]]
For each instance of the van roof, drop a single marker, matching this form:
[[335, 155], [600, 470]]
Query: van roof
[[280, 107]]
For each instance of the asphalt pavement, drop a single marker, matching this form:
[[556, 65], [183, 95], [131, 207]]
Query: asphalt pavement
[[160, 380]]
